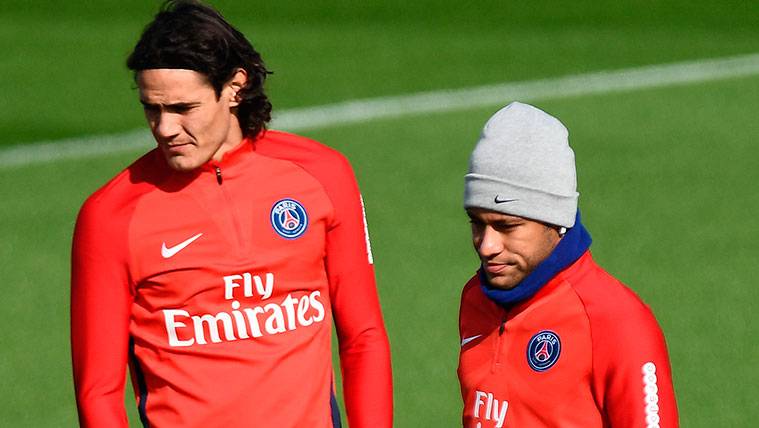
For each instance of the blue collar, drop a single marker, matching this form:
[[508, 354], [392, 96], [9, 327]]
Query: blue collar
[[569, 249]]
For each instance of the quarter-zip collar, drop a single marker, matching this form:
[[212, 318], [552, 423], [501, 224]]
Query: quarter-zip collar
[[569, 249], [231, 158], [173, 180]]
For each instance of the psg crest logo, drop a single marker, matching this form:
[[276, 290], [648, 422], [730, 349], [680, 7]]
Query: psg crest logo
[[543, 350], [289, 218]]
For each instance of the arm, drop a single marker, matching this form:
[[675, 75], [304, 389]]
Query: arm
[[100, 311], [632, 371], [364, 348]]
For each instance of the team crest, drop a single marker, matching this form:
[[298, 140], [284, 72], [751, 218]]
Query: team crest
[[289, 218], [543, 350]]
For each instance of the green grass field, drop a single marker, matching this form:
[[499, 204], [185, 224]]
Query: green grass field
[[667, 176]]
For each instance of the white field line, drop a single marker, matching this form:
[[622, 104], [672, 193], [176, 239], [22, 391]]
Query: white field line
[[363, 110]]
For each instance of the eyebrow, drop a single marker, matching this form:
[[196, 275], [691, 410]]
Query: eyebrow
[[505, 220], [172, 105]]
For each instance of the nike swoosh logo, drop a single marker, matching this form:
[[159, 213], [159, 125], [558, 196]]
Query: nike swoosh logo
[[169, 252], [500, 201], [466, 340]]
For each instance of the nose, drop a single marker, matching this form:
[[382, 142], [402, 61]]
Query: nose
[[166, 126], [488, 243]]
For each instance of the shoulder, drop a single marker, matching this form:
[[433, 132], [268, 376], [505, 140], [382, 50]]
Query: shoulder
[[325, 163], [298, 149], [115, 196], [328, 167], [471, 291], [474, 303], [610, 305]]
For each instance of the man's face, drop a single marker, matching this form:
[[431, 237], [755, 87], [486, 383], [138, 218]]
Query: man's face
[[509, 247], [190, 124]]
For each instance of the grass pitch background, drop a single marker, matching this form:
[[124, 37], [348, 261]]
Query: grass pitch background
[[667, 176]]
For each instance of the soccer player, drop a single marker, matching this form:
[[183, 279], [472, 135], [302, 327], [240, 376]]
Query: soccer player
[[548, 338], [215, 264]]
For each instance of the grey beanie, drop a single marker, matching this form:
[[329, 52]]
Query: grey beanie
[[523, 166]]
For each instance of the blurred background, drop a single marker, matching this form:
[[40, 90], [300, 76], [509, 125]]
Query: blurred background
[[667, 174]]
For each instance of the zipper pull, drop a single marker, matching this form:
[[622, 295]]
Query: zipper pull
[[218, 175]]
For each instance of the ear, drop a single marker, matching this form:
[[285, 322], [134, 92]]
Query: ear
[[235, 84]]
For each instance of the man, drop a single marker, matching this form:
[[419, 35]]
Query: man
[[214, 264], [548, 338]]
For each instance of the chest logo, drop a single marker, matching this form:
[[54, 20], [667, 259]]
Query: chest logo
[[168, 252], [289, 218], [466, 340], [543, 350]]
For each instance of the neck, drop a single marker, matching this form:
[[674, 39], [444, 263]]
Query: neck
[[234, 138]]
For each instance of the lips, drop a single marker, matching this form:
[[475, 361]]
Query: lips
[[176, 148], [494, 268]]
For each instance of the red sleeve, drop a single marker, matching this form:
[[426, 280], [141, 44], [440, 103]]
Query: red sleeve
[[632, 377], [100, 311], [364, 348]]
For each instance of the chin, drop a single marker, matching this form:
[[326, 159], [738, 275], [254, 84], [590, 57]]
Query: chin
[[177, 166], [503, 283], [182, 163]]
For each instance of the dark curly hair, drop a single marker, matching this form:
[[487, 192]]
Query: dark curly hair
[[188, 35]]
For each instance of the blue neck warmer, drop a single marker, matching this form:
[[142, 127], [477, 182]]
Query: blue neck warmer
[[569, 249]]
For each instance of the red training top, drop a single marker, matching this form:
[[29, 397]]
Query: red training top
[[583, 352], [218, 288]]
